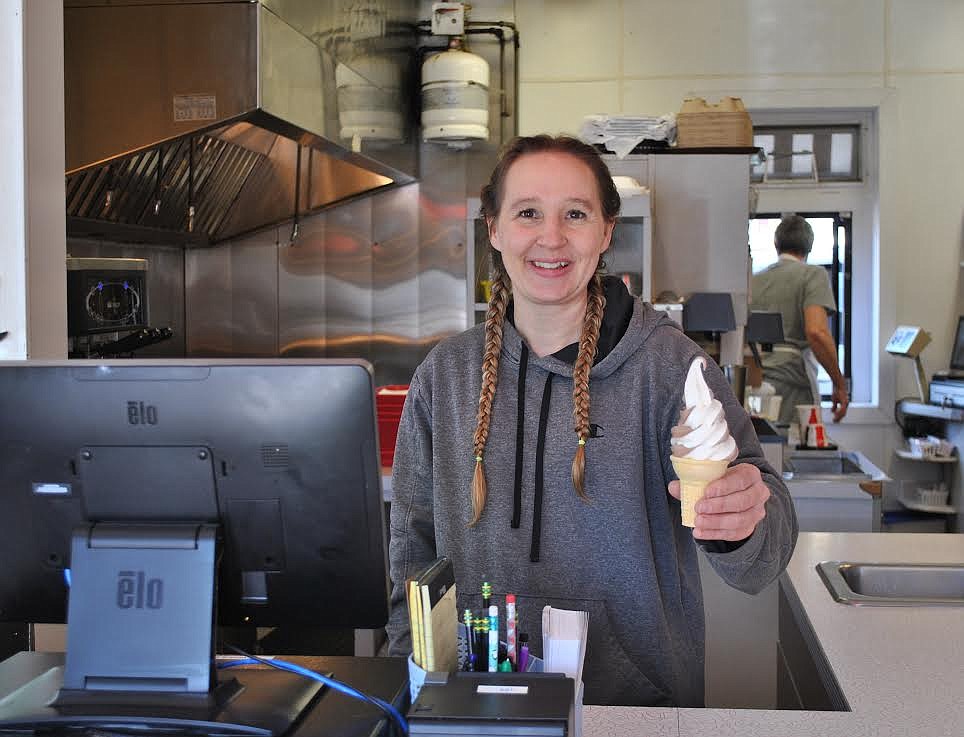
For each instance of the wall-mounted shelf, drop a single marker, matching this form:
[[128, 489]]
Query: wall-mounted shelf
[[932, 508], [906, 454], [927, 469], [920, 409]]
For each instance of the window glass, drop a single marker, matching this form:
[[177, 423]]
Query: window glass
[[802, 159], [794, 152], [766, 142], [841, 153], [763, 254]]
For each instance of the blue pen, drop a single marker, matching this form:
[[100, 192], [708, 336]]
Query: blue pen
[[493, 639]]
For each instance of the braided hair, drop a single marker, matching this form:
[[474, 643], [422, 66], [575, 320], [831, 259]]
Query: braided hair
[[491, 196]]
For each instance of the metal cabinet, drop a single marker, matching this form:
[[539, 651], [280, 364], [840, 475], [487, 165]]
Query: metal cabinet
[[700, 210], [804, 678]]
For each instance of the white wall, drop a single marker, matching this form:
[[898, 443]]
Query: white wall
[[901, 57], [13, 313], [33, 281]]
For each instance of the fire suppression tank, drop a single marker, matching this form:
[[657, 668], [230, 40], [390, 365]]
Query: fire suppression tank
[[369, 99], [455, 97]]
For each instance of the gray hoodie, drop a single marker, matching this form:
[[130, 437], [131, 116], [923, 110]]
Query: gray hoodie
[[624, 557]]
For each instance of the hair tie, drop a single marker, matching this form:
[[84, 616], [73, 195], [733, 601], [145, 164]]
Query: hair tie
[[478, 459], [581, 441]]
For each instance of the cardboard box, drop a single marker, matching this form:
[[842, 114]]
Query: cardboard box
[[700, 124]]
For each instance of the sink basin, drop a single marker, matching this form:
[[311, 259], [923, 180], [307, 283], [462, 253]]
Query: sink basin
[[832, 464], [894, 584]]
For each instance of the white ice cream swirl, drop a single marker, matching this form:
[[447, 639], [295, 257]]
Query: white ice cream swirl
[[702, 432]]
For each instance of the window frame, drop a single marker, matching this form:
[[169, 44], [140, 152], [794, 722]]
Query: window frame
[[859, 199], [825, 131], [841, 277]]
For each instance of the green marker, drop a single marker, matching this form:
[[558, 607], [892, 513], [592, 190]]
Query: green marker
[[505, 666], [469, 635], [481, 635], [486, 596]]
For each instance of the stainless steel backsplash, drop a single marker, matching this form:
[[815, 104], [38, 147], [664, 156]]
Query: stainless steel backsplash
[[356, 282], [381, 278]]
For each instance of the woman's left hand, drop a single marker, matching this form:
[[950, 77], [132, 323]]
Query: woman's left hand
[[732, 506]]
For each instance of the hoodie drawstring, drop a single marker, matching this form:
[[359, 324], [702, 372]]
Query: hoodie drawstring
[[540, 452], [519, 438]]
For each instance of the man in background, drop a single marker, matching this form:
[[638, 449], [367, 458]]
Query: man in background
[[801, 293]]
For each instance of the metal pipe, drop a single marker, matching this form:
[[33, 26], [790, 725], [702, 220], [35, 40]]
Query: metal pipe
[[294, 226], [190, 185], [160, 177]]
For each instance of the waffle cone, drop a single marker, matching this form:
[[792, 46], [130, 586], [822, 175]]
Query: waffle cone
[[694, 475]]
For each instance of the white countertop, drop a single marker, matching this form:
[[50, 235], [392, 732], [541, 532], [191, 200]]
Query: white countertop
[[901, 669]]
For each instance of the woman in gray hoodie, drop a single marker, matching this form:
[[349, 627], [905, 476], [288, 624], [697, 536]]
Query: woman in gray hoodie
[[534, 450]]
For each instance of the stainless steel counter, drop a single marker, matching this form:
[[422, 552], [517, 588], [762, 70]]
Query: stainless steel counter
[[899, 668], [830, 490]]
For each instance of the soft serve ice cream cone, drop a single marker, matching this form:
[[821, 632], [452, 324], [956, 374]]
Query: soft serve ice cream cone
[[701, 442]]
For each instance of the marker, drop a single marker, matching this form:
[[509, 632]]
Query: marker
[[523, 652], [486, 595], [510, 627], [467, 618], [505, 666], [493, 639], [481, 629]]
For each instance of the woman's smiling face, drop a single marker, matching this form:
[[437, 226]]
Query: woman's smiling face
[[550, 230]]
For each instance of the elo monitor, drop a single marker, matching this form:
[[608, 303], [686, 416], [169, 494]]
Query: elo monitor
[[145, 501]]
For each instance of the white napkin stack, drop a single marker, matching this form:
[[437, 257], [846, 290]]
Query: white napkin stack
[[622, 133], [564, 634]]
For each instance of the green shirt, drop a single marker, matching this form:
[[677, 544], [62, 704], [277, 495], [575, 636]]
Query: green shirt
[[788, 287]]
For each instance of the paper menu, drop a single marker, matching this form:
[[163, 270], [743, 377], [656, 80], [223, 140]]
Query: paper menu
[[564, 635]]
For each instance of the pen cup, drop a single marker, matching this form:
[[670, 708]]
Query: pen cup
[[417, 674], [416, 679]]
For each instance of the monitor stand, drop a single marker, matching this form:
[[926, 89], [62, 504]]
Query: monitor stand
[[247, 703], [921, 380], [140, 645]]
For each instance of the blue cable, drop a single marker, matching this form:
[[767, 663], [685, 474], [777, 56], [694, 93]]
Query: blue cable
[[344, 688]]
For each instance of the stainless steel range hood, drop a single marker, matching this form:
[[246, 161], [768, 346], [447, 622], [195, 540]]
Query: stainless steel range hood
[[196, 122]]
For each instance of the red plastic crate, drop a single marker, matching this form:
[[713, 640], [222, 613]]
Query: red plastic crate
[[389, 401]]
